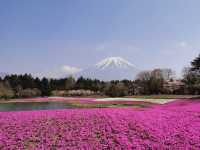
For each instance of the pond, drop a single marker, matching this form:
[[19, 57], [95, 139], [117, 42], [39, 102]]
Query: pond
[[24, 106], [27, 106]]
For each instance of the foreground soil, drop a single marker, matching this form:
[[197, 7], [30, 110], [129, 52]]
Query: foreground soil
[[175, 125]]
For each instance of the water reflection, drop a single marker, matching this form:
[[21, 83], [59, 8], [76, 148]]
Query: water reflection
[[22, 106]]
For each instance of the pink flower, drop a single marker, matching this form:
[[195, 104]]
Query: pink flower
[[171, 126]]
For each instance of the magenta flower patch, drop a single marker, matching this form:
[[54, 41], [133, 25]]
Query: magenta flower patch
[[171, 126]]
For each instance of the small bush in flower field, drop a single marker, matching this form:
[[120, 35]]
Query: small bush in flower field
[[174, 126]]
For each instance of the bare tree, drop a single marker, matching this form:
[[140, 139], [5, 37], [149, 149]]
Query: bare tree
[[168, 74], [144, 76]]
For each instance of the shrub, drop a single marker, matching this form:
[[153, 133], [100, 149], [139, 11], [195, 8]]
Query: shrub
[[29, 93], [5, 90], [116, 90]]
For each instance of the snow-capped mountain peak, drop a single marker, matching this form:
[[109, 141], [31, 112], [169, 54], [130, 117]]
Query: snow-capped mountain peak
[[111, 68], [113, 62]]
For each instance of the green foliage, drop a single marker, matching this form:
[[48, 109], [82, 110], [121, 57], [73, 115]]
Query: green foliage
[[69, 83], [150, 82], [116, 89], [25, 81], [196, 64], [89, 84], [5, 90], [45, 87], [29, 93], [192, 77]]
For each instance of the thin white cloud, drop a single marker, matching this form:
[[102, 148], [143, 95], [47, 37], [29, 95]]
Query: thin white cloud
[[183, 44], [58, 72], [70, 69], [101, 47]]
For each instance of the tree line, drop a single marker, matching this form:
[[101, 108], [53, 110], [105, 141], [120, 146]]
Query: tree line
[[157, 81]]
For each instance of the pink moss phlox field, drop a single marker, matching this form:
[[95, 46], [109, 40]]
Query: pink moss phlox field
[[174, 126]]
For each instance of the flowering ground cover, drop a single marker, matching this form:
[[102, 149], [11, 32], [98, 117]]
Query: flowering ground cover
[[171, 126]]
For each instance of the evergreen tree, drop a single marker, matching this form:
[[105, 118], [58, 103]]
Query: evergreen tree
[[45, 87], [69, 83], [196, 65], [192, 77]]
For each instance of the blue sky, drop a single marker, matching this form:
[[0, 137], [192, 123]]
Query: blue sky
[[42, 36]]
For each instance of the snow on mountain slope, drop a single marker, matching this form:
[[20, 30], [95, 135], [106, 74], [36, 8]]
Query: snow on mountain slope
[[114, 61], [2, 75], [112, 68]]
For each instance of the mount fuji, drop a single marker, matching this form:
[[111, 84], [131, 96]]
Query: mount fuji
[[112, 68]]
